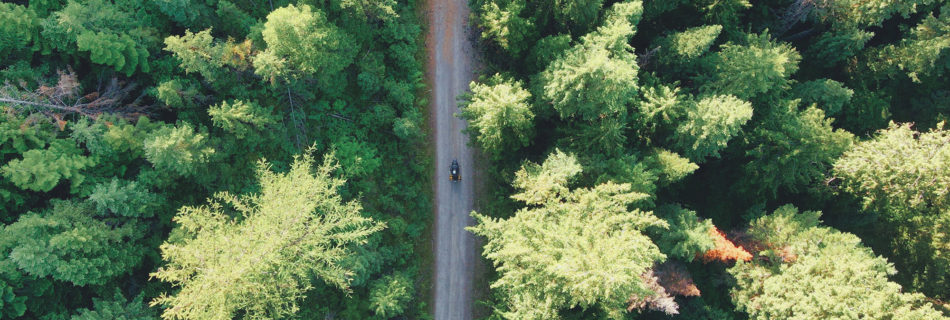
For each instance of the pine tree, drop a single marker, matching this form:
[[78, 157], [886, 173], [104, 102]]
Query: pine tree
[[389, 295], [117, 308], [19, 26], [241, 118], [569, 248], [109, 32], [709, 125], [901, 174], [597, 77], [500, 118], [301, 42], [69, 244], [793, 150], [43, 169], [177, 149], [297, 229], [829, 95], [505, 26], [809, 271], [752, 68], [684, 48], [687, 236]]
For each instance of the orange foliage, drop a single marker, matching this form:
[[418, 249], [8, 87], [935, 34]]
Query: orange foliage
[[725, 250]]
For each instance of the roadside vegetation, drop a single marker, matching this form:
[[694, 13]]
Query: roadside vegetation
[[781, 159]]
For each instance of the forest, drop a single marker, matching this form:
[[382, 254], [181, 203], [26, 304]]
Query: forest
[[642, 159], [714, 159], [212, 159]]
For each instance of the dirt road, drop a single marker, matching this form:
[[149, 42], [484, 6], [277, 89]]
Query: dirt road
[[450, 69]]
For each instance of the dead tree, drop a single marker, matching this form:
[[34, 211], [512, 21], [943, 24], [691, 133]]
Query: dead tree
[[65, 98]]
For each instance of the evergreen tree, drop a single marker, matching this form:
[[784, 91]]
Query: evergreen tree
[[177, 149], [297, 228], [807, 271], [569, 248], [499, 116], [43, 169], [902, 175], [684, 48], [792, 150], [709, 125], [110, 33], [750, 69], [301, 42], [117, 308], [390, 294], [19, 27], [505, 26], [597, 77], [241, 118], [69, 244]]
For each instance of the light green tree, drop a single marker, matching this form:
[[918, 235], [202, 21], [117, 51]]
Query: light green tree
[[301, 42], [922, 53], [297, 229], [390, 295], [709, 125], [597, 77], [749, 69], [43, 169], [808, 271], [241, 118], [504, 25], [902, 175], [19, 27], [177, 149], [569, 248], [500, 118], [685, 47]]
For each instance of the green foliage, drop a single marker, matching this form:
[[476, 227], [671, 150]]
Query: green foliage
[[177, 149], [813, 272], [687, 235], [837, 45], [505, 26], [793, 149], [572, 248], [18, 28], [42, 169], [389, 295], [117, 308], [669, 166], [923, 53], [302, 41], [748, 70], [685, 47], [902, 175], [198, 53], [241, 118], [123, 199], [255, 254], [599, 75], [499, 116], [69, 244], [110, 34], [829, 95], [710, 123]]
